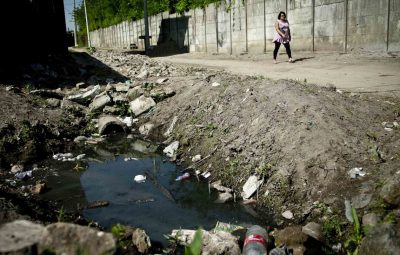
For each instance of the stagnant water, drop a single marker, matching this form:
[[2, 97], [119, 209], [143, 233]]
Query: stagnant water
[[158, 205]]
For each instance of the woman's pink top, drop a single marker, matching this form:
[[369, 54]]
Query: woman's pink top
[[284, 27]]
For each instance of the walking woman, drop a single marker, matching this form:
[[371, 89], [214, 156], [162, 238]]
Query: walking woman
[[282, 36]]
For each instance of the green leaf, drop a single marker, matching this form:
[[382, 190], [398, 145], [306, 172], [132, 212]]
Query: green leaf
[[195, 246]]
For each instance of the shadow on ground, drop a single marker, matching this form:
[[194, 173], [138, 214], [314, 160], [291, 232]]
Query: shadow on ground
[[63, 70]]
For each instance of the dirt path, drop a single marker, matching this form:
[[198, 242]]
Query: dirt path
[[371, 73]]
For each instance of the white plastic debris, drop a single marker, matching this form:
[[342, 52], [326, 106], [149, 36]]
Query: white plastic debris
[[139, 178], [357, 171], [128, 159], [206, 174], [23, 175], [215, 84], [196, 158]]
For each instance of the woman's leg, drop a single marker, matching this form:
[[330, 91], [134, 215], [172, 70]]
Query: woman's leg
[[277, 45], [289, 53]]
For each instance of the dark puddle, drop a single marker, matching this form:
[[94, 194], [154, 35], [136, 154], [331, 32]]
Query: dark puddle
[[158, 205]]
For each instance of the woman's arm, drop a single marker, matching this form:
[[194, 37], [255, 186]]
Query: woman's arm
[[278, 30]]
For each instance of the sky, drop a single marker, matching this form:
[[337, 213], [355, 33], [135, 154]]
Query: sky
[[68, 8]]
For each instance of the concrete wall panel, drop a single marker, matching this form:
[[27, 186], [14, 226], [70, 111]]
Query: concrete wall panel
[[248, 26]]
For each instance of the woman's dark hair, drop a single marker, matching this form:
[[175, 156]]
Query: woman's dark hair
[[279, 15]]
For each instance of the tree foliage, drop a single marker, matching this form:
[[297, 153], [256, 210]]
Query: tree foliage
[[104, 13]]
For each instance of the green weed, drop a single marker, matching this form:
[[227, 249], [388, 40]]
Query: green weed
[[194, 247], [60, 215]]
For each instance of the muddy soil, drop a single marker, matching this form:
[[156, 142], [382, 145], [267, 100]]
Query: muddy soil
[[299, 138]]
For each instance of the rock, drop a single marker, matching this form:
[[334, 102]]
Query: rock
[[38, 188], [47, 93], [141, 105], [287, 215], [384, 239], [218, 186], [20, 237], [171, 127], [72, 106], [218, 243], [161, 80], [251, 186], [146, 128], [119, 98], [53, 102], [290, 236], [99, 102], [134, 93], [121, 87], [110, 87], [143, 146], [81, 85], [109, 124], [314, 230], [17, 168], [80, 139], [66, 238], [361, 201], [196, 158], [171, 149], [370, 219], [143, 74], [160, 94], [110, 110], [141, 240], [390, 191], [224, 197], [84, 97]]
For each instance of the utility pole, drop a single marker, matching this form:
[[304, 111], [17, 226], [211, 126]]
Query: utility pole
[[87, 25], [75, 39], [146, 28]]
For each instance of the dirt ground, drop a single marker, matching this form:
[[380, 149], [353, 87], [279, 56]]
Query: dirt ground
[[368, 72], [246, 116]]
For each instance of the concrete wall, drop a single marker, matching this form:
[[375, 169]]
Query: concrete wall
[[237, 26]]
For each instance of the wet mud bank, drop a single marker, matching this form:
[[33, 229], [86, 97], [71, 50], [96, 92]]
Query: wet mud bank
[[323, 164]]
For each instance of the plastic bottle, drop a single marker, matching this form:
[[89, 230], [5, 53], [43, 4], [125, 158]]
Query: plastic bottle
[[256, 241]]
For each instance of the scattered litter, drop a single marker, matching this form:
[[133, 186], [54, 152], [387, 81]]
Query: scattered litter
[[68, 157], [395, 124], [139, 178], [197, 172], [339, 91], [24, 175], [215, 84], [388, 129], [206, 174], [11, 182], [357, 171], [196, 158], [128, 159], [182, 177]]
